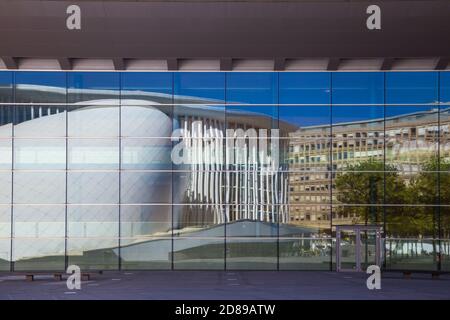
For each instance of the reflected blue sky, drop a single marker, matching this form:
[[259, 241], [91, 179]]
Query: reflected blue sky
[[208, 85], [159, 82]]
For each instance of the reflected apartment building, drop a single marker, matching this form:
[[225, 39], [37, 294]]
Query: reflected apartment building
[[406, 141]]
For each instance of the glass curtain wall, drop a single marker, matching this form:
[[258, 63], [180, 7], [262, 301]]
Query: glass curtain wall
[[221, 170]]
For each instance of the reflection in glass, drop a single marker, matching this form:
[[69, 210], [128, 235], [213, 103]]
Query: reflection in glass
[[349, 144], [412, 135], [146, 154], [5, 187], [251, 253], [357, 136], [6, 86], [146, 187], [6, 120], [304, 87], [252, 87], [93, 187], [5, 237], [93, 233], [146, 86], [93, 154], [304, 253], [39, 187], [40, 121], [411, 87], [146, 121], [358, 88], [197, 254], [38, 242], [199, 87], [5, 154], [37, 154], [93, 121], [142, 221], [93, 87], [410, 231], [198, 221], [40, 87], [153, 253]]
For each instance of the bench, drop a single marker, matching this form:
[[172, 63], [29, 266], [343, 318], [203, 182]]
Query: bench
[[434, 274], [58, 276]]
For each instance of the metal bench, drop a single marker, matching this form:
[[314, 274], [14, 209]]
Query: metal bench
[[434, 274]]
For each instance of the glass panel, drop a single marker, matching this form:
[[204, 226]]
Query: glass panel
[[5, 254], [411, 87], [358, 88], [5, 154], [40, 87], [368, 248], [40, 121], [140, 222], [45, 254], [6, 86], [5, 187], [252, 87], [198, 138], [412, 135], [146, 86], [199, 87], [251, 117], [258, 227], [146, 187], [307, 143], [304, 87], [5, 237], [93, 121], [39, 187], [148, 254], [146, 154], [38, 242], [93, 234], [5, 221], [195, 253], [358, 214], [93, 154], [93, 87], [445, 228], [444, 191], [357, 140], [251, 253], [146, 121], [409, 238], [347, 250], [444, 143], [305, 253], [6, 95], [304, 238], [198, 221], [362, 187], [36, 154], [444, 90], [93, 187], [6, 120]]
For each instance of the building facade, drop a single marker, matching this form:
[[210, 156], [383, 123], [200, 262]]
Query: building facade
[[223, 135], [89, 178]]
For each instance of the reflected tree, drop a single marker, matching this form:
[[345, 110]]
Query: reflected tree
[[363, 183]]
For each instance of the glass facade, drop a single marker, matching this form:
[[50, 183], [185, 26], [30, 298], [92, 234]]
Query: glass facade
[[221, 170]]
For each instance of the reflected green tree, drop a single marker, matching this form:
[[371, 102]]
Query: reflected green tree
[[414, 212]]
